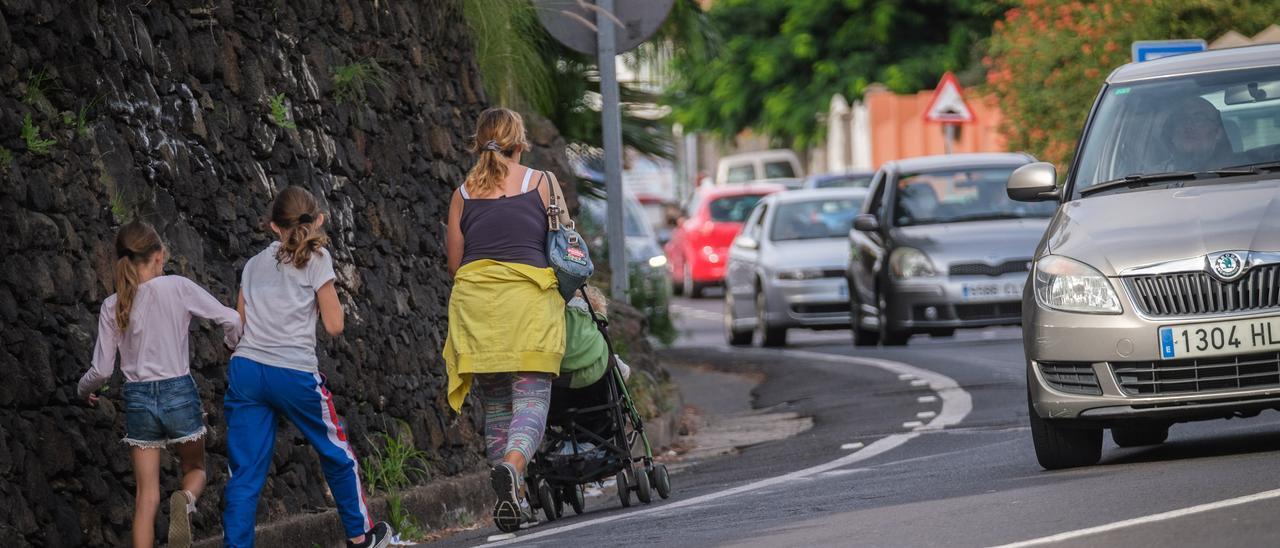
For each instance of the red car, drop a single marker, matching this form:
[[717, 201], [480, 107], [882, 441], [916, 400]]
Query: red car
[[699, 246]]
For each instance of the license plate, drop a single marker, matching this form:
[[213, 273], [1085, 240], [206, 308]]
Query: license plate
[[844, 291], [1006, 291], [1219, 338]]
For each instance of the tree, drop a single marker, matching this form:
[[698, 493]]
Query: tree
[[776, 63], [1048, 58]]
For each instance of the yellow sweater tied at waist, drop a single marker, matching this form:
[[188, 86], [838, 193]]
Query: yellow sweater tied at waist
[[503, 318]]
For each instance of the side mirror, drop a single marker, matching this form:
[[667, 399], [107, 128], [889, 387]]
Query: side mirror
[[1035, 182], [746, 242], [866, 222]]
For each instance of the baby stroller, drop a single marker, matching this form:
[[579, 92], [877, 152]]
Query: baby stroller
[[591, 433]]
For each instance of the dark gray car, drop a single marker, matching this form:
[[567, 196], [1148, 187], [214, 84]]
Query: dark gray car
[[940, 246], [1156, 290]]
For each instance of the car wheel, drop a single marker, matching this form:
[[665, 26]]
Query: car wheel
[[691, 288], [861, 335], [888, 335], [733, 336], [769, 336], [1140, 435], [1058, 446]]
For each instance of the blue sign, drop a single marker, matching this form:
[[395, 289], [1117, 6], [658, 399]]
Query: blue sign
[[1146, 50]]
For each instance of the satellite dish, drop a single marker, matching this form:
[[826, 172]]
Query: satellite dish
[[573, 22]]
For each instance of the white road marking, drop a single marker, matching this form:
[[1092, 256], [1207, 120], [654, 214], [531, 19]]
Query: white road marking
[[906, 377], [920, 382], [926, 415], [912, 425], [1163, 516], [504, 536], [852, 446], [927, 399], [956, 405]]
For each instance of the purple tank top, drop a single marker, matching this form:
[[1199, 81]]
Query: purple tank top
[[511, 229]]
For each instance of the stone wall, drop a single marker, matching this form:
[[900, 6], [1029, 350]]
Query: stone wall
[[178, 129]]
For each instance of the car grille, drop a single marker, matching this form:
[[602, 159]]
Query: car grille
[[1071, 377], [984, 269], [989, 311], [1196, 293], [1195, 375]]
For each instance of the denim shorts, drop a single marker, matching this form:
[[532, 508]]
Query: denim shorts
[[159, 413]]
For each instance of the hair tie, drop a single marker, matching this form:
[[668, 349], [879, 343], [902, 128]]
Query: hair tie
[[305, 218], [492, 145]]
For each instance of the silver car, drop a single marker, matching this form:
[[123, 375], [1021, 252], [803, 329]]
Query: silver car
[[1155, 296], [786, 268], [940, 246]]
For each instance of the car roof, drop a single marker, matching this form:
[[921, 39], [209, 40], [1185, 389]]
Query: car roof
[[945, 161], [808, 194], [1244, 57], [762, 154], [739, 189], [840, 175]]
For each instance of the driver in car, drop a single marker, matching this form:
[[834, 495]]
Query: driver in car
[[1196, 137]]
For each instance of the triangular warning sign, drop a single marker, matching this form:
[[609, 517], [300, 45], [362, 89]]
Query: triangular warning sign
[[947, 104]]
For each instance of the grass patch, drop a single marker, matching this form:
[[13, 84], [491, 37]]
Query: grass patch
[[650, 294], [350, 82], [395, 465], [36, 86], [120, 209], [31, 135], [6, 160], [280, 112], [403, 522], [79, 121]]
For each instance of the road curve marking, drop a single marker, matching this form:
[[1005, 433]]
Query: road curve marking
[[956, 405], [1163, 516]]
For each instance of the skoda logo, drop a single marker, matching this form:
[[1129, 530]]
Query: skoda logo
[[1228, 265]]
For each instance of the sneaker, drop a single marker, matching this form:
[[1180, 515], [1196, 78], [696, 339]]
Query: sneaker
[[180, 510], [506, 484], [528, 518], [378, 537], [623, 367]]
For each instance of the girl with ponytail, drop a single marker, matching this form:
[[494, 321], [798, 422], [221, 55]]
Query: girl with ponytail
[[146, 322], [274, 372]]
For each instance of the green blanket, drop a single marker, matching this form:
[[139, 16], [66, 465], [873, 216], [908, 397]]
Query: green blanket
[[586, 356]]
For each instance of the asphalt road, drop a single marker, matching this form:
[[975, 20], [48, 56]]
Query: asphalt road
[[945, 460]]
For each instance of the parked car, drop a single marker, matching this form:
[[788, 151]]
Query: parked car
[[854, 179], [939, 246], [1154, 298], [786, 269], [645, 258], [699, 246], [762, 165]]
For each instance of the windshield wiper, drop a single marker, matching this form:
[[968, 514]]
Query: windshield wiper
[[1132, 181], [1260, 167]]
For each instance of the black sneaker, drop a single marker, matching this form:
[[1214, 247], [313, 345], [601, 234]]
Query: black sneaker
[[507, 514], [378, 537]]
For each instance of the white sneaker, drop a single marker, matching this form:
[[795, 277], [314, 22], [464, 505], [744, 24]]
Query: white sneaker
[[623, 367]]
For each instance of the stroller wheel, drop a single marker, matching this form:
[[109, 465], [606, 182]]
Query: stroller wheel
[[624, 487], [661, 480], [576, 500], [643, 489], [548, 505]]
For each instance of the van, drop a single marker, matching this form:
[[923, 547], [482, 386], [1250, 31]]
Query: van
[[761, 165]]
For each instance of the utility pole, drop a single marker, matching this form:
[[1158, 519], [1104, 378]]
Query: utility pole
[[611, 122]]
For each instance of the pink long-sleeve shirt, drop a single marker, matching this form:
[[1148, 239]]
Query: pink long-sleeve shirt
[[154, 347]]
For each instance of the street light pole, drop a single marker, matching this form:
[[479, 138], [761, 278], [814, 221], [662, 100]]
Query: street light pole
[[611, 123]]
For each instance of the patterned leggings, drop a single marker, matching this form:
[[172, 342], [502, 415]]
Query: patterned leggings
[[515, 412]]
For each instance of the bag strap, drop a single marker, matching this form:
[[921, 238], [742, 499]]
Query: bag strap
[[557, 212]]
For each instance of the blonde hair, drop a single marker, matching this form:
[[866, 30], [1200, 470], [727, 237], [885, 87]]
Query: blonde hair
[[499, 134], [294, 211], [136, 243]]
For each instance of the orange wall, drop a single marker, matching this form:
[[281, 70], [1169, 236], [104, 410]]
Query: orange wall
[[898, 128]]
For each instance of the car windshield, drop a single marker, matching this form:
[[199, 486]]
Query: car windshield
[[732, 209], [843, 181], [633, 217], [829, 218], [1192, 124], [952, 196]]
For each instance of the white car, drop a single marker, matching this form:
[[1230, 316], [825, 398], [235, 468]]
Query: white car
[[762, 165]]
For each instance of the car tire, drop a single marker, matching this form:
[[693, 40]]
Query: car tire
[[1140, 435], [691, 289], [770, 336], [1058, 446], [861, 335], [677, 286], [733, 336], [888, 335]]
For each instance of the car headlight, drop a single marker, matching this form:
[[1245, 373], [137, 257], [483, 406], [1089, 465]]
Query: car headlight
[[1072, 286], [800, 274], [907, 262], [657, 261]]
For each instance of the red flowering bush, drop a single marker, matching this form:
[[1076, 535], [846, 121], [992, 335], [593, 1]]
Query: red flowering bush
[[1048, 58]]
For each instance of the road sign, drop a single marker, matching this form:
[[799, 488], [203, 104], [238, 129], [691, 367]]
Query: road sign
[[947, 104], [1146, 50], [572, 22]]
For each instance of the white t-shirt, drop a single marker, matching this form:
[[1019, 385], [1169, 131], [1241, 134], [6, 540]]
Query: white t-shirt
[[280, 309]]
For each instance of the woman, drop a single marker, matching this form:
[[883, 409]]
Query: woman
[[506, 317]]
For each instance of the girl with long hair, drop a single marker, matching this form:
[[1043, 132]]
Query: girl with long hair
[[146, 322], [274, 373], [506, 318]]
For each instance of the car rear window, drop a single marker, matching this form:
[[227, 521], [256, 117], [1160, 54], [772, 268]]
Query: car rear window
[[732, 209], [778, 170], [741, 174], [811, 220]]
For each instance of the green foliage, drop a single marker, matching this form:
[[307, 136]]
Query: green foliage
[[1048, 58], [120, 209], [6, 160], [31, 135], [402, 522], [80, 120], [775, 64], [511, 53], [650, 293], [36, 86], [280, 112], [350, 81], [395, 465]]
